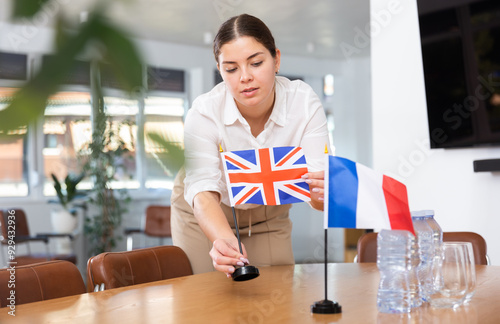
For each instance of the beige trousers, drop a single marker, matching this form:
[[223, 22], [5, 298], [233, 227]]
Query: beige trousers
[[269, 244]]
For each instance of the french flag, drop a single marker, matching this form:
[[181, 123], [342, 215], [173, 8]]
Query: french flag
[[359, 197]]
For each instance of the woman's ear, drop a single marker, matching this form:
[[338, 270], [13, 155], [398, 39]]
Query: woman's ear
[[277, 61]]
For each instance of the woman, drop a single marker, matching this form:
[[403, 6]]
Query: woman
[[253, 108]]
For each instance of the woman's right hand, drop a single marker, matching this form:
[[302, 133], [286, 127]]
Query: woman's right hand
[[225, 255]]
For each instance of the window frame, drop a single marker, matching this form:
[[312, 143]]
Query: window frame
[[35, 139]]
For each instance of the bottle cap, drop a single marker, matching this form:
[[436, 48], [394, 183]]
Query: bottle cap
[[422, 213]]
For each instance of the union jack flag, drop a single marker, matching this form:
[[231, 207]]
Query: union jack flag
[[268, 176]]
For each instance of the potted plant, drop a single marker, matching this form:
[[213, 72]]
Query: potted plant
[[101, 158], [64, 218]]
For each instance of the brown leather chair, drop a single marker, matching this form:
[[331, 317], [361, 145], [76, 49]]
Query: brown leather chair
[[156, 224], [14, 219], [478, 244], [41, 281], [367, 246], [120, 269]]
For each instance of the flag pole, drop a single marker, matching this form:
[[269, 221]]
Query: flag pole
[[247, 272], [237, 230], [326, 306], [326, 264]]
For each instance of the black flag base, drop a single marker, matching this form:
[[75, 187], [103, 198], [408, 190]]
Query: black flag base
[[245, 273], [326, 306]]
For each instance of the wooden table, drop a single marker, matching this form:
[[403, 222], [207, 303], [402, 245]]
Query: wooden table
[[282, 294]]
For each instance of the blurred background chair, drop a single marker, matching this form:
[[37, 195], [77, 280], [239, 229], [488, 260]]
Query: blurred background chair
[[478, 244], [41, 281], [120, 269], [367, 246], [23, 237], [156, 223]]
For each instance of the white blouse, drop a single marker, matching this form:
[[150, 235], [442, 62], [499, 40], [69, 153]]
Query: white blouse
[[297, 119]]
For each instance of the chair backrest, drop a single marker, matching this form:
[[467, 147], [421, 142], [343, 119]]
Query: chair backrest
[[158, 221], [120, 269], [367, 248], [367, 245], [41, 281], [478, 244], [20, 224]]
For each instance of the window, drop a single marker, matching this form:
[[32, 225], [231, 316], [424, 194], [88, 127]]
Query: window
[[66, 129], [122, 113], [13, 146], [56, 145], [163, 116], [13, 66], [164, 109]]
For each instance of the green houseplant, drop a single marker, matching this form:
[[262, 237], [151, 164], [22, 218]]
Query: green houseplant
[[98, 41], [101, 158], [64, 216], [67, 195]]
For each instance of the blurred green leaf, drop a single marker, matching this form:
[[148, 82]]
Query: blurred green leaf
[[172, 154], [61, 35], [27, 105], [27, 8], [29, 102], [123, 57]]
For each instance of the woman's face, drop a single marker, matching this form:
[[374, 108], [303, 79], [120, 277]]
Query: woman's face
[[248, 69]]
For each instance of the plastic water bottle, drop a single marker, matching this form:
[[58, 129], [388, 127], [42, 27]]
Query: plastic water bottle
[[393, 262], [437, 238], [415, 287], [426, 253]]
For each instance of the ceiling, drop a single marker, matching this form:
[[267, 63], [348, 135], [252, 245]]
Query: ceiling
[[312, 28]]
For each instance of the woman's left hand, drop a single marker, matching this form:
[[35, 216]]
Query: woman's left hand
[[316, 181]]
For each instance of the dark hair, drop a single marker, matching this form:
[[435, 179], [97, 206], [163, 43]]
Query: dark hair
[[244, 25]]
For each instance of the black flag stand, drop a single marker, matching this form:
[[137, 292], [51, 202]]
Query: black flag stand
[[247, 272], [326, 306]]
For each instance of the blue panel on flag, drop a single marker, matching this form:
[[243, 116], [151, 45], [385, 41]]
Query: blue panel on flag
[[248, 155], [231, 166], [303, 185], [236, 190], [301, 160], [280, 152], [343, 192], [256, 199], [288, 199]]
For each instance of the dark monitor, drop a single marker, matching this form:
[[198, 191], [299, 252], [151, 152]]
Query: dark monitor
[[461, 59]]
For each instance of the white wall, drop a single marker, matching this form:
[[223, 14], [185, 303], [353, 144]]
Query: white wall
[[442, 180]]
